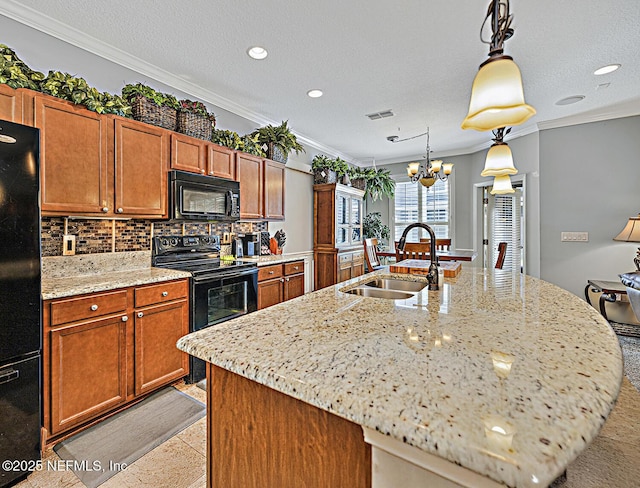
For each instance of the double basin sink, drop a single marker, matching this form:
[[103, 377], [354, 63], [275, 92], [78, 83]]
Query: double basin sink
[[389, 288]]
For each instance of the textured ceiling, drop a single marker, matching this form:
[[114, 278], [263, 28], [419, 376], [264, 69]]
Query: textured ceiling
[[417, 58]]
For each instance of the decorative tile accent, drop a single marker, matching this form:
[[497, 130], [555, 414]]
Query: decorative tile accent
[[52, 230], [133, 235]]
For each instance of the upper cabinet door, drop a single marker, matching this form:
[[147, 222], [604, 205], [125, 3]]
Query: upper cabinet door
[[11, 104], [188, 153], [222, 161], [274, 190], [249, 175], [74, 166], [141, 162]]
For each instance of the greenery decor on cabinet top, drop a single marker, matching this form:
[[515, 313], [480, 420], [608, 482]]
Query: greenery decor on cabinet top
[[197, 108], [281, 138], [380, 184], [78, 91], [15, 73], [131, 90], [247, 143]]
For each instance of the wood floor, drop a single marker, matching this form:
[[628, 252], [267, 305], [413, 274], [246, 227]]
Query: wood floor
[[612, 460]]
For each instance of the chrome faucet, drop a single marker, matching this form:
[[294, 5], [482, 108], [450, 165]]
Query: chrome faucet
[[432, 277]]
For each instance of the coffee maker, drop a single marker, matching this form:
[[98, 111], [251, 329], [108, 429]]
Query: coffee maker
[[249, 244]]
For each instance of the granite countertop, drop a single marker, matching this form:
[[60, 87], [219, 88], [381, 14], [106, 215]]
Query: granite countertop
[[64, 276], [431, 371]]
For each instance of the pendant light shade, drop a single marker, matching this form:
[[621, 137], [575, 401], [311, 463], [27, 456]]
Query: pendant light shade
[[502, 185], [499, 161], [497, 97]]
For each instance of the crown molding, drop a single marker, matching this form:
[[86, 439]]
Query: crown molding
[[628, 108], [66, 33]]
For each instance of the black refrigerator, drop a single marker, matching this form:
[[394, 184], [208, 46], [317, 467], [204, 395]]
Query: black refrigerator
[[20, 302]]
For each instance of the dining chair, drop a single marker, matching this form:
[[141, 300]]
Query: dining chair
[[502, 252], [371, 254], [413, 250], [441, 244]]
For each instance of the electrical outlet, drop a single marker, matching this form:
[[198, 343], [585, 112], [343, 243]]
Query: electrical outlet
[[574, 237], [68, 245], [226, 238]]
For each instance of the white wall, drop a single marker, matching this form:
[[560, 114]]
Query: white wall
[[589, 181]]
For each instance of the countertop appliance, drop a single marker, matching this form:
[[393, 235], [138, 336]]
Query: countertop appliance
[[248, 244], [219, 291], [201, 197], [20, 305]]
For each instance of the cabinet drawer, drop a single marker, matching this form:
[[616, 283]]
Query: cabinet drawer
[[269, 272], [358, 257], [72, 309], [293, 268], [344, 258], [162, 292]]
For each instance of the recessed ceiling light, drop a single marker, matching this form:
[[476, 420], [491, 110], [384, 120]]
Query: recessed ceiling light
[[315, 93], [257, 52], [570, 100], [610, 68]]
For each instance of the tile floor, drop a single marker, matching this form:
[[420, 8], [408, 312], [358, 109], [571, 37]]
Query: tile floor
[[612, 460]]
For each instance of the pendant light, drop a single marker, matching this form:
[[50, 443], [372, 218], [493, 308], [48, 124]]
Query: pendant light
[[502, 185], [497, 96], [499, 161]]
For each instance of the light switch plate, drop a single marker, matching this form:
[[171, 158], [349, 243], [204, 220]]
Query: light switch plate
[[574, 237], [68, 245]]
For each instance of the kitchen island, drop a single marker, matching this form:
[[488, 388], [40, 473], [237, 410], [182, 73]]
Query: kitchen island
[[496, 379]]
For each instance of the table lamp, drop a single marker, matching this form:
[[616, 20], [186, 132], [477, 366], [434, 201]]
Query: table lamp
[[631, 233]]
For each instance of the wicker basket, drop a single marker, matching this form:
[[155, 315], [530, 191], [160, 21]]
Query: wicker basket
[[359, 183], [324, 175], [146, 111], [275, 154], [195, 125]]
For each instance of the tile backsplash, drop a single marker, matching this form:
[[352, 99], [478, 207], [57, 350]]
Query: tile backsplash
[[101, 236]]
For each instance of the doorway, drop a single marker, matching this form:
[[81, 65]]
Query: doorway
[[501, 218]]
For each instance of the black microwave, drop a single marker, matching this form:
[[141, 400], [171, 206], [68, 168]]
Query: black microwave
[[201, 197]]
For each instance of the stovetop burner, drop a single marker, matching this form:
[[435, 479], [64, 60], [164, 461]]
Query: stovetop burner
[[198, 254]]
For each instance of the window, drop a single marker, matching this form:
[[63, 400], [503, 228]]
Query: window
[[417, 203]]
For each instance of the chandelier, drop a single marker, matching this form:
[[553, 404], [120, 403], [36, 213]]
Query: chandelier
[[431, 171]]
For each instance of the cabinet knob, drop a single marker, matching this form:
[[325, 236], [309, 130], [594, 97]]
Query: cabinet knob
[[281, 280], [202, 171], [119, 210], [287, 279], [125, 318], [271, 272], [105, 209], [296, 268], [140, 314], [94, 307], [165, 293]]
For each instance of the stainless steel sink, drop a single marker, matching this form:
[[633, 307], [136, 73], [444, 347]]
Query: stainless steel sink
[[396, 285], [380, 293]]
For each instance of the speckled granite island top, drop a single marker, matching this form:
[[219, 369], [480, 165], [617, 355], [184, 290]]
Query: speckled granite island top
[[508, 376]]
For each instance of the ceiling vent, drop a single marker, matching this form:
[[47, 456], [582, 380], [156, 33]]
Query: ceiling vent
[[381, 115]]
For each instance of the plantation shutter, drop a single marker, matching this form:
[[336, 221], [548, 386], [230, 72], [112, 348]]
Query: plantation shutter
[[505, 227]]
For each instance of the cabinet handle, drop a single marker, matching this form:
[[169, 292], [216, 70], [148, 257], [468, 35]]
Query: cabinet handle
[[140, 314], [271, 272], [281, 280], [165, 293], [94, 307], [105, 209], [119, 210], [296, 268], [125, 318], [202, 171], [287, 279]]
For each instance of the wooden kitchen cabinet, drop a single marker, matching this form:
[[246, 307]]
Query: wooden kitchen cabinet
[[280, 282], [158, 326], [249, 173], [274, 174], [11, 104], [221, 161], [102, 351], [188, 153], [99, 165], [337, 234]]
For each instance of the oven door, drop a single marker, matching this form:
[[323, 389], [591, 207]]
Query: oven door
[[223, 296]]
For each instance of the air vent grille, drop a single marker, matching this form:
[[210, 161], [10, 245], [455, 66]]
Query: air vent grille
[[381, 115]]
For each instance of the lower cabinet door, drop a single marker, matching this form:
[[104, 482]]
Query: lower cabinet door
[[88, 371], [157, 359], [293, 286], [270, 292]]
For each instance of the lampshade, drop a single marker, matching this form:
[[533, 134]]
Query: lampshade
[[429, 181], [501, 185], [412, 169], [497, 97], [631, 231], [436, 164], [447, 168], [499, 161]]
